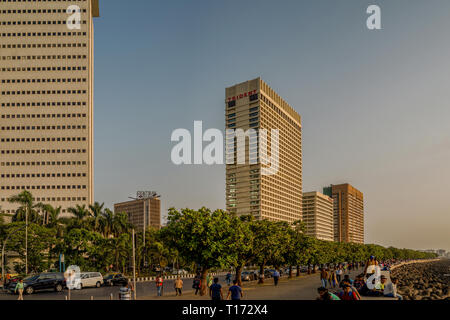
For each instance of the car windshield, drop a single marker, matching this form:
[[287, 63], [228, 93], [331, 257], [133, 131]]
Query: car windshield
[[31, 278]]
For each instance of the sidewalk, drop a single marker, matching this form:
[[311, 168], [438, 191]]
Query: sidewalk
[[303, 287]]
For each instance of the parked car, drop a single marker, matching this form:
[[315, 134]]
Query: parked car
[[268, 273], [43, 281], [304, 269], [180, 272], [246, 276], [90, 279], [115, 279]]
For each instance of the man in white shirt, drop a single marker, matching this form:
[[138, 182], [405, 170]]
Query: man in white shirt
[[390, 289]]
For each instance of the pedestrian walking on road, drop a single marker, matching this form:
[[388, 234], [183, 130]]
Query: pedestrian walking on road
[[276, 277], [19, 288], [235, 291], [332, 278], [339, 274], [178, 284], [159, 285], [215, 291], [197, 283], [324, 277], [228, 278]]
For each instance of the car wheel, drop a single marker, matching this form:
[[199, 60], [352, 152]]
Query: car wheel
[[111, 283], [98, 284], [58, 288], [29, 290], [80, 286]]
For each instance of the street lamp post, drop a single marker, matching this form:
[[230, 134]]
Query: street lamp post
[[134, 266], [26, 241]]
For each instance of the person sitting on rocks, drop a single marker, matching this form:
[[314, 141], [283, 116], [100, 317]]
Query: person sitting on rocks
[[348, 294], [325, 295], [390, 289]]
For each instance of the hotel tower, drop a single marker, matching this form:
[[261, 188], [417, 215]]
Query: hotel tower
[[249, 189], [348, 213], [46, 101]]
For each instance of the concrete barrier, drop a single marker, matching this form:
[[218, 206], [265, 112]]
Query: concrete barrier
[[172, 277], [411, 262]]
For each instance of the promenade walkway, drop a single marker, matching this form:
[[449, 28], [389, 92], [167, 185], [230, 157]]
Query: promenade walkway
[[296, 288]]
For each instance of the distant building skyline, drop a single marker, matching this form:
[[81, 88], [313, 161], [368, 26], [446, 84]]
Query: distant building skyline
[[375, 102]]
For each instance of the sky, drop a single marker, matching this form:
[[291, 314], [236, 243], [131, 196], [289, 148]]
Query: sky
[[374, 103]]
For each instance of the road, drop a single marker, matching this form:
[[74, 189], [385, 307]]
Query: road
[[297, 288], [144, 289]]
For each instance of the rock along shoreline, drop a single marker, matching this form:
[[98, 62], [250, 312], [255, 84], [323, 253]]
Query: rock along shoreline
[[424, 281]]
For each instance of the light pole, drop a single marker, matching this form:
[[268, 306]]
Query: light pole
[[26, 242], [134, 267]]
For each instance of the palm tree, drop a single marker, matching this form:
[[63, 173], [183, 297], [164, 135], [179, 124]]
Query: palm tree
[[120, 224], [80, 213], [27, 207], [107, 222], [96, 212], [52, 219]]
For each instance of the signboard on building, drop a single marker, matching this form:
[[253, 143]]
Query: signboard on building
[[146, 195]]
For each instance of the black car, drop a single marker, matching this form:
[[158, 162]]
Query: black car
[[43, 281], [115, 279]]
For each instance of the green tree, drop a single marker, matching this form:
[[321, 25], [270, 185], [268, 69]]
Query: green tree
[[27, 207], [242, 244], [266, 243], [201, 237], [40, 239], [96, 211], [80, 215]]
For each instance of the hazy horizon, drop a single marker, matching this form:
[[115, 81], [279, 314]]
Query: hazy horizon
[[374, 104]]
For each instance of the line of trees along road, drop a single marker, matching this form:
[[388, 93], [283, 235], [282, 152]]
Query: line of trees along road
[[95, 238]]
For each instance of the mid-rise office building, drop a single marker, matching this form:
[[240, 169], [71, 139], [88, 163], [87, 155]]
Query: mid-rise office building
[[249, 189], [318, 215], [142, 212], [46, 101], [348, 213]]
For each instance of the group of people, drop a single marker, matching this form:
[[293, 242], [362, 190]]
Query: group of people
[[354, 289], [215, 288]]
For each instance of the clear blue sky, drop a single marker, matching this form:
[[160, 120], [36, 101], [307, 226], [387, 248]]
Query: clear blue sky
[[374, 104]]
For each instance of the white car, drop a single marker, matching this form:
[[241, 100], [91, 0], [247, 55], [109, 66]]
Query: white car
[[90, 279]]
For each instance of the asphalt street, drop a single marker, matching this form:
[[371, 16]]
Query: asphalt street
[[147, 289]]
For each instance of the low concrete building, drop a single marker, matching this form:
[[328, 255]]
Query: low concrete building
[[142, 212]]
